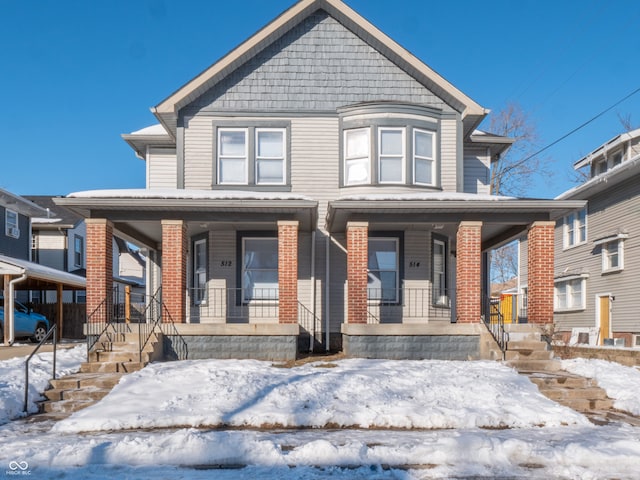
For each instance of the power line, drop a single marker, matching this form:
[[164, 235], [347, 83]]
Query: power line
[[581, 126]]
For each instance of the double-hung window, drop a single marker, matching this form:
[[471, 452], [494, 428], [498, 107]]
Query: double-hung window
[[232, 156], [570, 294], [270, 156], [259, 268], [423, 157], [391, 155], [357, 156], [575, 229], [252, 155], [11, 224], [612, 255], [199, 271], [384, 269], [78, 251]]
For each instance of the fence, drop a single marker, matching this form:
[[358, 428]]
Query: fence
[[234, 305], [396, 305]]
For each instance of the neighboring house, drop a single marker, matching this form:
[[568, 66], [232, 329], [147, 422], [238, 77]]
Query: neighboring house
[[17, 272], [59, 241], [319, 181], [597, 268]]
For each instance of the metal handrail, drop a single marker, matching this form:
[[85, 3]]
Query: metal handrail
[[309, 321], [52, 331], [154, 314], [182, 353], [494, 321]]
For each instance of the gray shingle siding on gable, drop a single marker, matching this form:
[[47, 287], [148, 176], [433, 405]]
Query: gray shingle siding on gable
[[319, 65]]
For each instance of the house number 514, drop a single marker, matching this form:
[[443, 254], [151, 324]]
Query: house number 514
[[414, 264]]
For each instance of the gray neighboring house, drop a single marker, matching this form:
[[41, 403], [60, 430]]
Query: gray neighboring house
[[597, 268]]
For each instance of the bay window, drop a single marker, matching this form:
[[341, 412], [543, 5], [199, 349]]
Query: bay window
[[356, 156], [391, 155], [423, 157]]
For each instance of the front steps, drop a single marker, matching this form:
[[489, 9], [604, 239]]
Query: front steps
[[113, 356], [530, 355]]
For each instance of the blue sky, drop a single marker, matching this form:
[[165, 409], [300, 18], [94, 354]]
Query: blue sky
[[75, 75]]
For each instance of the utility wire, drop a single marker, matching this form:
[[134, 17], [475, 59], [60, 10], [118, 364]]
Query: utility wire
[[581, 126]]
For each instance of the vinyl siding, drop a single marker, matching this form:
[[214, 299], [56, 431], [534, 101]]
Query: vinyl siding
[[476, 171], [448, 155], [198, 152], [51, 249], [161, 168], [607, 214]]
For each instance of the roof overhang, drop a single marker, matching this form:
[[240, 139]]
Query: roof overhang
[[603, 149], [497, 144], [503, 218], [39, 276], [141, 141], [20, 204], [138, 217], [471, 112]]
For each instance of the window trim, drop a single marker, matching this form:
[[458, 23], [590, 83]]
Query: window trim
[[445, 243], [569, 295], [415, 156], [402, 156], [240, 249], [571, 223], [605, 254], [345, 134], [250, 126], [283, 158], [11, 228], [196, 271], [219, 133]]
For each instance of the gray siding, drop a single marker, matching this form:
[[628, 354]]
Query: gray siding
[[161, 168], [476, 171], [317, 65], [608, 213]]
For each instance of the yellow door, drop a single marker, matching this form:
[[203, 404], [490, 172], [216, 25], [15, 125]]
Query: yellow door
[[605, 321]]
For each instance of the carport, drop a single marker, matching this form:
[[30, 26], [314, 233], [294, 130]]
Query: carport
[[16, 274]]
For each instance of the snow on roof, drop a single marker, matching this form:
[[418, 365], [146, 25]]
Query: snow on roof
[[192, 194], [427, 196], [156, 129], [43, 220], [16, 266]]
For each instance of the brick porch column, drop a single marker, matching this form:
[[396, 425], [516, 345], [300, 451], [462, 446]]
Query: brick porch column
[[540, 244], [174, 269], [99, 269], [288, 271], [357, 278], [468, 272]]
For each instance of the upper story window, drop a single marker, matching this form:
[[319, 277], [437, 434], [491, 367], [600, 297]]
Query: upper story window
[[78, 251], [612, 256], [575, 229], [403, 155], [11, 224], [616, 159], [253, 155]]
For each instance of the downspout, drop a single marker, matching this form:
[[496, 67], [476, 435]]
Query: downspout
[[312, 336], [327, 291], [10, 308]]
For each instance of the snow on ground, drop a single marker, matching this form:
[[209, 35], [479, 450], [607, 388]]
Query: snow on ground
[[349, 393], [12, 374], [621, 383]]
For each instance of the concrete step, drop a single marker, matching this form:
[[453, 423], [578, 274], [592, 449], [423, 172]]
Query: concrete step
[[547, 381], [584, 405], [81, 380], [121, 356], [65, 406], [589, 393], [528, 355], [111, 367], [535, 365], [526, 345], [81, 394]]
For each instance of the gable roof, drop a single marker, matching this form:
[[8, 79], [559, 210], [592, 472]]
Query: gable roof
[[167, 111], [20, 204], [606, 147]]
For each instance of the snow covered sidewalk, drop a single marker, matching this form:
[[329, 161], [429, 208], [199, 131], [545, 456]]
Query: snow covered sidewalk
[[349, 393]]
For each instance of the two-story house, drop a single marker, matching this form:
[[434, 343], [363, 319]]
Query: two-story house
[[17, 271], [319, 182], [597, 267]]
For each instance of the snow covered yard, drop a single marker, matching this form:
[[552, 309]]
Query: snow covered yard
[[40, 369], [429, 418]]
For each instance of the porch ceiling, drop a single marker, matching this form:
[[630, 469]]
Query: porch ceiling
[[139, 219], [503, 219]]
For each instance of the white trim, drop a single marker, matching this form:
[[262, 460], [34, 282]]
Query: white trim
[[568, 293], [605, 256], [356, 158], [11, 229], [402, 156], [418, 157], [611, 238], [221, 130], [574, 219], [597, 308], [282, 158]]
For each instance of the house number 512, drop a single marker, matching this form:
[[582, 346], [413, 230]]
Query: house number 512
[[225, 263]]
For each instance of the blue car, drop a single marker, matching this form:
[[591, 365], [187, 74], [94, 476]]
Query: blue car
[[27, 324]]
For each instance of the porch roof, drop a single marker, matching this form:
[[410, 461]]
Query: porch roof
[[504, 218], [137, 214], [39, 276]]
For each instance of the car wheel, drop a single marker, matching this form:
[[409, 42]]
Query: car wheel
[[39, 333]]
